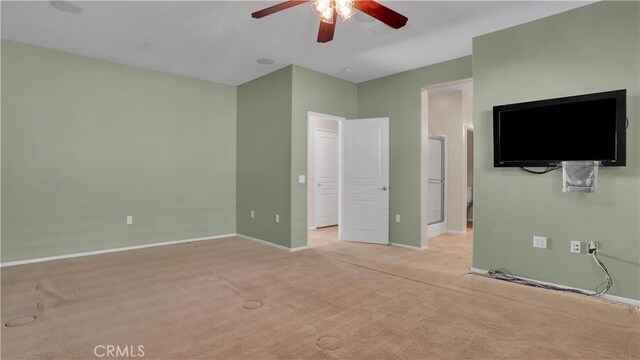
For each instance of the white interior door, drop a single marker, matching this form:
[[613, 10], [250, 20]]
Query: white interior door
[[436, 214], [365, 185], [326, 176]]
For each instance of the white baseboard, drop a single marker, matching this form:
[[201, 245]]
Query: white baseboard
[[106, 251], [409, 246], [272, 244], [604, 296], [456, 232]]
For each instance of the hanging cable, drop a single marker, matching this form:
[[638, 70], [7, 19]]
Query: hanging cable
[[547, 170], [608, 282], [504, 275]]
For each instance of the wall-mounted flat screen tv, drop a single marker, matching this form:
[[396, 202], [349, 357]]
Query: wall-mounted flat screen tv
[[546, 132]]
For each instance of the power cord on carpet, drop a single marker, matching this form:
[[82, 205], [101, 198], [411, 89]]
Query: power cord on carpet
[[504, 275]]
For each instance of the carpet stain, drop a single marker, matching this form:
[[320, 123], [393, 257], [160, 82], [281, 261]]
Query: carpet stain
[[328, 343], [252, 304], [50, 296], [24, 320], [160, 298]]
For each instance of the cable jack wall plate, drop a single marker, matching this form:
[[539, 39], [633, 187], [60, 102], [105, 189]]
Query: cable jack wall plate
[[576, 247]]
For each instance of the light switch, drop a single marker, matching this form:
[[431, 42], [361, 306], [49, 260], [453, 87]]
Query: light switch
[[540, 242], [302, 179]]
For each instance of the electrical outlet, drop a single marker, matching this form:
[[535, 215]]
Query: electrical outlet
[[277, 218], [576, 247], [540, 242], [397, 218], [253, 214], [129, 220]]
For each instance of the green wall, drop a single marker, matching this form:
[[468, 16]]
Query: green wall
[[312, 91], [86, 143], [272, 124], [272, 148], [399, 98], [264, 157], [591, 49]]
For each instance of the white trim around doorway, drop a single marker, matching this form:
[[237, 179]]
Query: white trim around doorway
[[340, 120]]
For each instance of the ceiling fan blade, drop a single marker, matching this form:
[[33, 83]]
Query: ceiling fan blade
[[381, 12], [275, 8], [325, 34]]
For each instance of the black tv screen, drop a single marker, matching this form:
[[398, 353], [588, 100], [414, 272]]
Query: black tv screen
[[546, 132]]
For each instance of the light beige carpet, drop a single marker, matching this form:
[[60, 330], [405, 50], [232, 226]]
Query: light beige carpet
[[237, 299], [321, 237]]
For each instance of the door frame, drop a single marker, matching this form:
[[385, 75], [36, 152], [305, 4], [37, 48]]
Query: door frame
[[315, 173], [445, 185], [467, 128], [340, 120], [424, 122]]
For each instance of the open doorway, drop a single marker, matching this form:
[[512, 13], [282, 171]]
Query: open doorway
[[469, 161], [323, 171], [348, 187], [447, 176]]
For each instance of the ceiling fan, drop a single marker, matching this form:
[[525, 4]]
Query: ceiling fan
[[328, 11]]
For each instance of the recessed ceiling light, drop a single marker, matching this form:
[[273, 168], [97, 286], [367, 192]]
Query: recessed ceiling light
[[265, 61], [347, 70], [66, 6]]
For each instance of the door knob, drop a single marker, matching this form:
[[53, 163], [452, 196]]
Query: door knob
[[384, 188]]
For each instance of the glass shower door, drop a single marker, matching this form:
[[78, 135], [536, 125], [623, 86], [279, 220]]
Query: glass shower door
[[436, 185]]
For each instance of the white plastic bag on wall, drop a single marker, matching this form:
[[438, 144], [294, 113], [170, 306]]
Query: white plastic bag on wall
[[579, 176]]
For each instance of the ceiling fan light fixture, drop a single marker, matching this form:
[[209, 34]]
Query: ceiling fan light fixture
[[327, 15], [344, 8], [325, 9], [328, 11]]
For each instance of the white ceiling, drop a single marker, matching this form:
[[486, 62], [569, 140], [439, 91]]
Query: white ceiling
[[219, 41]]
